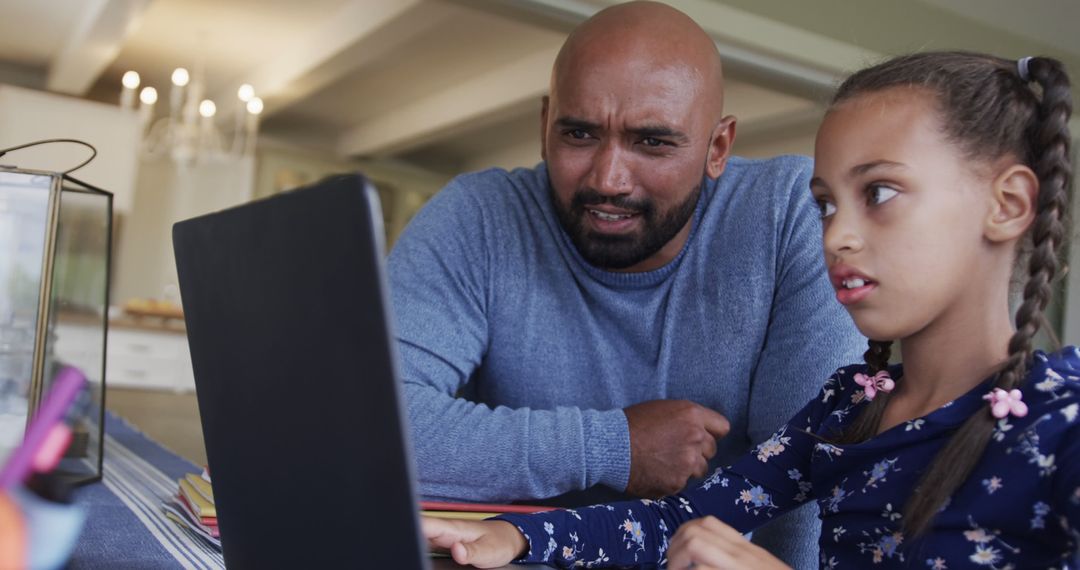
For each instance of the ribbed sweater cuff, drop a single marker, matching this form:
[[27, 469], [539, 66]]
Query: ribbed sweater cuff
[[607, 448]]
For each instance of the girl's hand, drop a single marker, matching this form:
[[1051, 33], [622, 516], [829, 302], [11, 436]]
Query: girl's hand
[[484, 544], [708, 544]]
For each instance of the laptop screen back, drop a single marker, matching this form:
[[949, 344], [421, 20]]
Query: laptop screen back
[[295, 370]]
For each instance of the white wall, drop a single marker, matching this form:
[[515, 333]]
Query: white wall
[[168, 193], [27, 116]]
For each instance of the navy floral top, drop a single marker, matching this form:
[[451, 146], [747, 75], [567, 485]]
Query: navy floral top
[[1020, 508]]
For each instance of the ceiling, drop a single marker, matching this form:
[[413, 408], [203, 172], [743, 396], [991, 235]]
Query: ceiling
[[439, 83]]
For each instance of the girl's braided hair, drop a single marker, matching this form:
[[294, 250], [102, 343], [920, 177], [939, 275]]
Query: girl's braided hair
[[989, 111]]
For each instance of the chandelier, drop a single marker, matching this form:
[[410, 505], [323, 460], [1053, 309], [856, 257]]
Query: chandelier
[[192, 132]]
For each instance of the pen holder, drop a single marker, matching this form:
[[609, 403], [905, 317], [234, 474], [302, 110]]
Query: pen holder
[[37, 533], [55, 260]]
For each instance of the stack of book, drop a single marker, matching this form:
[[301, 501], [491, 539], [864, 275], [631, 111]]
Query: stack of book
[[193, 507]]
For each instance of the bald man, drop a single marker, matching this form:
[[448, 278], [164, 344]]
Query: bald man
[[635, 310]]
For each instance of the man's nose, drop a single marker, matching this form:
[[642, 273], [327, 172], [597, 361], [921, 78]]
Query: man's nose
[[610, 170], [842, 234]]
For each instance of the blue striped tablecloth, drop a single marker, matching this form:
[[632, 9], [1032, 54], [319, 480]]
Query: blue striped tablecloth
[[126, 527]]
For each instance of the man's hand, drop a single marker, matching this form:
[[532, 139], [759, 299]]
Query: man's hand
[[708, 544], [670, 441], [484, 544]]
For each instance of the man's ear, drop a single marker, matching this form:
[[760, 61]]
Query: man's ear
[[1014, 203], [543, 127], [723, 136]]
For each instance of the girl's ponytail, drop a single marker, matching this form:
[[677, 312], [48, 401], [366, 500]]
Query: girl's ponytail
[[1048, 136]]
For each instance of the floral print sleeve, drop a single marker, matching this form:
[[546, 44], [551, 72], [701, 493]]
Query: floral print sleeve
[[1067, 486], [769, 481], [1066, 477], [1019, 509]]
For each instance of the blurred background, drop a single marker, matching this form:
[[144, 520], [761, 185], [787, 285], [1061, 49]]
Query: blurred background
[[197, 105]]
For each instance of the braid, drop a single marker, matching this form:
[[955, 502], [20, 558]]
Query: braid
[[877, 356], [990, 112], [1049, 158], [867, 423], [1050, 136]]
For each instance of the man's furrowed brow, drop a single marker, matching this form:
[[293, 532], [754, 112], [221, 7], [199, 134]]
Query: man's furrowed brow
[[659, 131], [643, 131], [576, 123]]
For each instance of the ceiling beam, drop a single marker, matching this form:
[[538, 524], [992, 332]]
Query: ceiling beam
[[357, 34], [99, 33], [478, 101], [774, 54], [766, 52], [31, 77], [756, 49]]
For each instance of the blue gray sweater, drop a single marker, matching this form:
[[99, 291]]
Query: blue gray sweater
[[492, 300]]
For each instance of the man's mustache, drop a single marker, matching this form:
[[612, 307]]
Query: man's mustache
[[588, 197]]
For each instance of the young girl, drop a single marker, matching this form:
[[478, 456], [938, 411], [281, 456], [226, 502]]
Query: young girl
[[936, 174]]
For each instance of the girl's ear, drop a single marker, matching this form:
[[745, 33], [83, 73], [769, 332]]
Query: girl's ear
[[1015, 195]]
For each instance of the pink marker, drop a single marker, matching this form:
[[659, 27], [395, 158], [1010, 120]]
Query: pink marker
[[46, 436]]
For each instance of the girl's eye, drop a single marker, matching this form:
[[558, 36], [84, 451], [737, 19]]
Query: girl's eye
[[879, 194], [826, 208]]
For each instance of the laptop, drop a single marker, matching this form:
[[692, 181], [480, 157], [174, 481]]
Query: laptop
[[296, 377]]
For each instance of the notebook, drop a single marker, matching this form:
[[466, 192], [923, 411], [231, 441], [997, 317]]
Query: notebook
[[296, 378]]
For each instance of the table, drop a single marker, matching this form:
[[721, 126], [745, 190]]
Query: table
[[125, 526]]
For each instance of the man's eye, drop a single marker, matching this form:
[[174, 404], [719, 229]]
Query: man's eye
[[578, 134], [879, 194], [826, 208], [652, 141]]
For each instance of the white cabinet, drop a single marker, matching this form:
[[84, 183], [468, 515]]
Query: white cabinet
[[147, 358], [137, 356]]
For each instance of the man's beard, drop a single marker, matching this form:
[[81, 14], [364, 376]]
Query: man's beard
[[620, 251]]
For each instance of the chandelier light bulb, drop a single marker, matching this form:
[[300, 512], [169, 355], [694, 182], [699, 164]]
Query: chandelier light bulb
[[207, 108], [130, 79], [189, 132], [180, 77], [148, 95]]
